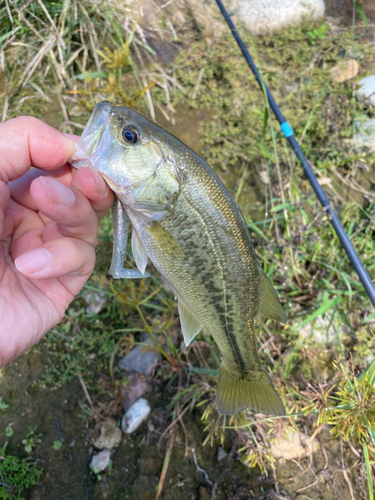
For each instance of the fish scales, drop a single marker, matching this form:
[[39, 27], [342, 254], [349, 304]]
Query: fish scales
[[215, 278], [196, 236]]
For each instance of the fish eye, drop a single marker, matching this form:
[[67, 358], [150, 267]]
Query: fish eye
[[130, 134]]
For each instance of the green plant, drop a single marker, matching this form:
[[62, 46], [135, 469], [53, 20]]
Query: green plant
[[16, 475], [318, 34], [9, 431], [31, 439], [57, 445], [3, 404]]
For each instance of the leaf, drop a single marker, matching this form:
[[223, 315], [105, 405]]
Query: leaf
[[369, 318], [256, 229], [368, 471], [266, 116], [90, 74], [280, 207], [7, 35], [3, 404], [362, 14], [322, 310]]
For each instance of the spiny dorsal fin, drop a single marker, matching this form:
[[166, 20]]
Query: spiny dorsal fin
[[190, 324], [139, 252], [269, 304]]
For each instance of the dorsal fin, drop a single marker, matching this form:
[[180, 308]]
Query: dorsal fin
[[139, 252], [269, 303], [190, 324]]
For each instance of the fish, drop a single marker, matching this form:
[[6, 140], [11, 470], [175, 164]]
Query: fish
[[185, 221]]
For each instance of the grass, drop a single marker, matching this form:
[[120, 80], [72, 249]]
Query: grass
[[16, 475], [320, 359]]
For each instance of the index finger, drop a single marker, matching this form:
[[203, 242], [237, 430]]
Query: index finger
[[26, 141]]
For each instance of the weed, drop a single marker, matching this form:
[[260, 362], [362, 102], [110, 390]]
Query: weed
[[3, 404], [31, 439], [16, 475], [57, 445]]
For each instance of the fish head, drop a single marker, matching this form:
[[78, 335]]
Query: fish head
[[123, 146]]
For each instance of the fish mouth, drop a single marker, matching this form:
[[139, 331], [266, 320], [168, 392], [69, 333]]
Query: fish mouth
[[95, 137]]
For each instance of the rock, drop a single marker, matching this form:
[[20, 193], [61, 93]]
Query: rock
[[221, 454], [136, 414], [365, 133], [263, 16], [293, 446], [134, 390], [95, 301], [100, 461], [142, 358], [110, 436], [345, 70], [366, 92]]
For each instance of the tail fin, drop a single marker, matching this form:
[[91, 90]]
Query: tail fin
[[253, 389]]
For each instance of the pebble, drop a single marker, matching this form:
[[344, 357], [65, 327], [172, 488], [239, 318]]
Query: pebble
[[110, 436], [221, 454], [100, 461], [345, 70], [95, 301], [293, 446], [366, 92], [365, 133], [142, 358], [136, 414]]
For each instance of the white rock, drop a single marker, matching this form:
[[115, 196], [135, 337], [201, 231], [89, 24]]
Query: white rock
[[136, 414], [263, 16], [365, 133], [367, 90], [100, 461]]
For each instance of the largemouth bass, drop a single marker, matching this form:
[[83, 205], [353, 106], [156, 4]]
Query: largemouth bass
[[187, 223]]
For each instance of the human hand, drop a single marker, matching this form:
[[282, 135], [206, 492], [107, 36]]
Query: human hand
[[48, 225]]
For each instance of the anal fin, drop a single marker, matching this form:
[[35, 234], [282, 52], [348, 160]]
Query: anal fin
[[190, 324], [269, 304]]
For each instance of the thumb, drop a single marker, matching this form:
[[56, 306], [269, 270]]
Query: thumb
[[4, 200]]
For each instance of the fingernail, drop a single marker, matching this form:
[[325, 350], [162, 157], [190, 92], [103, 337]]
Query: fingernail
[[33, 261], [73, 137], [101, 185], [57, 193]]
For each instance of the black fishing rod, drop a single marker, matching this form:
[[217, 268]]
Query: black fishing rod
[[288, 132]]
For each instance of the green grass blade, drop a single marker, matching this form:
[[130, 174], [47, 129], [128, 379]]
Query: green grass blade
[[322, 310], [368, 472]]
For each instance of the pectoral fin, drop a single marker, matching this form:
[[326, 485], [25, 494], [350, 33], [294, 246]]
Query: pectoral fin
[[269, 304], [190, 324], [120, 237], [139, 252]]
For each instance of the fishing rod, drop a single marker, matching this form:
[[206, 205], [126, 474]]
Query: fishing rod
[[319, 191]]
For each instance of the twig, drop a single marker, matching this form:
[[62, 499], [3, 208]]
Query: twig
[[173, 423], [307, 487], [86, 391], [344, 472], [198, 83], [167, 458]]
